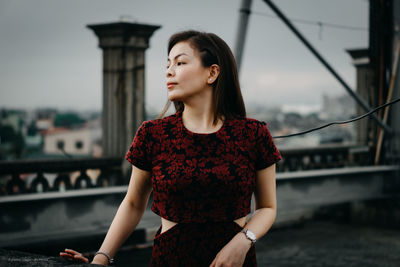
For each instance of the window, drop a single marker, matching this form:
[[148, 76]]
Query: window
[[79, 144], [60, 144]]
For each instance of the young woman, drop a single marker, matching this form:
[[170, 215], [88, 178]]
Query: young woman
[[202, 163]]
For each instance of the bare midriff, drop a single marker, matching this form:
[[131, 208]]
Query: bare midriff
[[166, 224]]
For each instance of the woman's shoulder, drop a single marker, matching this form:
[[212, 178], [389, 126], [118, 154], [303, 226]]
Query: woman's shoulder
[[253, 120], [247, 122], [247, 126], [154, 123]]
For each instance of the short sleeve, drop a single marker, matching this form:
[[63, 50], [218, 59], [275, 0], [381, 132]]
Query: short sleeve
[[267, 153], [138, 153]]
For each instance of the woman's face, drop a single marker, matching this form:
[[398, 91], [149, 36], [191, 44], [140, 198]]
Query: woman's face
[[186, 76]]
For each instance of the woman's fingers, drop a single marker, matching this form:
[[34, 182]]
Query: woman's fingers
[[81, 258], [71, 251], [71, 254], [66, 256], [74, 257]]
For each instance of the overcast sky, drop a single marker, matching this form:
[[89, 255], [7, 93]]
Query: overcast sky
[[48, 58]]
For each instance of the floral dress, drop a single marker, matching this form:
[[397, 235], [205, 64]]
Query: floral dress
[[201, 181]]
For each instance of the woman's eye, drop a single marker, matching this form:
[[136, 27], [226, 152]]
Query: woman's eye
[[177, 64]]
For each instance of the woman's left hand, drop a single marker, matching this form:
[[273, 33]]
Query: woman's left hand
[[234, 253]]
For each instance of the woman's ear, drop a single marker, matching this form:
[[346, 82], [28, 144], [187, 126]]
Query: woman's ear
[[214, 72]]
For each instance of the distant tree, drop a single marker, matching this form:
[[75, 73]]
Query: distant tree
[[8, 135], [32, 129], [67, 120]]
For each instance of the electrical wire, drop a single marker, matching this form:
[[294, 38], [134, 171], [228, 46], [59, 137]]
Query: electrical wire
[[65, 153], [316, 23], [339, 122]]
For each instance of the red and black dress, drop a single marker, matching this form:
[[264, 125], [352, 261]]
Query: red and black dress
[[201, 181]]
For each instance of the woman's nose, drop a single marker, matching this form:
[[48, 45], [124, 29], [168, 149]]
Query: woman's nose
[[169, 71]]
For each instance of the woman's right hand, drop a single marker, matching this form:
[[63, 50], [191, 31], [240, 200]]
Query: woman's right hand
[[73, 255]]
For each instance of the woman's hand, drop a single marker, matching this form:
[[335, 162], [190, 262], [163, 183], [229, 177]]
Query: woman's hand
[[73, 255], [234, 253]]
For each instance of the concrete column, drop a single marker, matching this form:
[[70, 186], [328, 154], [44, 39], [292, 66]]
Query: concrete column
[[364, 89], [123, 46]]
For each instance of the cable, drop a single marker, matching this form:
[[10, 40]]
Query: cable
[[65, 152], [338, 122], [316, 23]]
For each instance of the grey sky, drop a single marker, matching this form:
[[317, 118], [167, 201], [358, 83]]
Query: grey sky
[[48, 58]]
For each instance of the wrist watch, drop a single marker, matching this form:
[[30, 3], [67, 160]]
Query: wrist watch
[[249, 235]]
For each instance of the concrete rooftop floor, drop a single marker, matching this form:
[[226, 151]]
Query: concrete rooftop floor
[[312, 244]]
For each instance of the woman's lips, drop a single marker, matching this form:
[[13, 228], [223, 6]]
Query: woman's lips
[[170, 85]]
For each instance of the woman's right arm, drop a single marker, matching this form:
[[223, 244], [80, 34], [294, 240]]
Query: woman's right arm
[[128, 215]]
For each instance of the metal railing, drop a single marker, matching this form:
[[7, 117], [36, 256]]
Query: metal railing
[[324, 157], [32, 176]]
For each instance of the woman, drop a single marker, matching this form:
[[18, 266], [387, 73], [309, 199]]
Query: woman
[[203, 164]]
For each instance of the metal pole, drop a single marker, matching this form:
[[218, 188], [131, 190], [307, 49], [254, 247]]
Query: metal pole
[[356, 97], [245, 11]]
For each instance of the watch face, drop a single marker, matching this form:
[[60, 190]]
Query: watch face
[[251, 235]]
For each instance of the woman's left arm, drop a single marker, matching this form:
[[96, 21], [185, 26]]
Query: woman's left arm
[[234, 253]]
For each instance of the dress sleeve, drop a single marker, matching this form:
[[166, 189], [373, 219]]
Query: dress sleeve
[[138, 153], [267, 153]]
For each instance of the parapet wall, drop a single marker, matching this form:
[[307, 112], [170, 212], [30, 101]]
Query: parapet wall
[[49, 222]]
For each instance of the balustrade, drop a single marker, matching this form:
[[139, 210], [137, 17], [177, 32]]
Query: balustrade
[[58, 175], [70, 174], [324, 157]]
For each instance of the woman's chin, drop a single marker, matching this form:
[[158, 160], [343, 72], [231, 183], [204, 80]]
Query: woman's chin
[[173, 97]]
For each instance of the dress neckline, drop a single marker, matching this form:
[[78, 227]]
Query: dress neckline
[[184, 129]]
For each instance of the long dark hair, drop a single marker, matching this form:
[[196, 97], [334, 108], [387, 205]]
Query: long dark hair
[[227, 98]]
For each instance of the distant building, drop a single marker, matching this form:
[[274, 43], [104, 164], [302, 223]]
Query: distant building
[[33, 141], [44, 118], [83, 141], [337, 107], [44, 124]]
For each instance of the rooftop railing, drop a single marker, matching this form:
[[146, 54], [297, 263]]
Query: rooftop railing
[[324, 157], [32, 176]]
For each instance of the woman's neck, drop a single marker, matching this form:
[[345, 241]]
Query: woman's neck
[[200, 119]]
